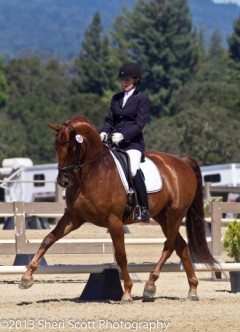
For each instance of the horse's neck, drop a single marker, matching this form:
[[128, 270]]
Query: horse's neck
[[99, 168]]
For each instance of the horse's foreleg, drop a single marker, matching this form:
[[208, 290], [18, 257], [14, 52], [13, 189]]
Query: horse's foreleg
[[181, 250], [63, 227], [117, 234], [27, 278]]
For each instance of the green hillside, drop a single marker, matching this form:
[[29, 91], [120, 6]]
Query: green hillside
[[56, 27]]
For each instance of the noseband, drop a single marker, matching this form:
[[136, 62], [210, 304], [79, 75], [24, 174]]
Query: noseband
[[77, 164]]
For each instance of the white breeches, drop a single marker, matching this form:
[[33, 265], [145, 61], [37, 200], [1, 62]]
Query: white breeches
[[135, 159]]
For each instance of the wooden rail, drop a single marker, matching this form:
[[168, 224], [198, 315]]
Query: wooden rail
[[22, 245], [217, 210]]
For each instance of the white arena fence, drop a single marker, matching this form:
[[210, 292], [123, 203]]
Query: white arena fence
[[21, 245], [99, 268]]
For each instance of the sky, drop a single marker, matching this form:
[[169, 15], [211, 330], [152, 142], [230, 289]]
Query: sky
[[237, 2]]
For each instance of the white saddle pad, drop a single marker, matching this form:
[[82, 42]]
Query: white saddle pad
[[153, 179]]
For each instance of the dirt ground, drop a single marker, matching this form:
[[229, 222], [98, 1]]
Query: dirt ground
[[52, 304]]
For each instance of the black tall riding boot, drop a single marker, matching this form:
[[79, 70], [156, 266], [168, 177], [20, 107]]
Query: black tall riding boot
[[141, 192]]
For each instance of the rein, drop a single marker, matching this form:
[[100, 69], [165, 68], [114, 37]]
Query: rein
[[77, 165]]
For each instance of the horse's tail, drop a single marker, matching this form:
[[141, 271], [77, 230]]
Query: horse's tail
[[197, 244]]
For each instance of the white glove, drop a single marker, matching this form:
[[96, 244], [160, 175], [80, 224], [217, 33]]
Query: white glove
[[117, 138], [104, 136]]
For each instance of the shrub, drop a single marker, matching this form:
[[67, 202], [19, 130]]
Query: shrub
[[231, 241]]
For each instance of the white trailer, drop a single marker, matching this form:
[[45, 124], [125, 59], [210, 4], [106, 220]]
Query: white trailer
[[226, 175], [28, 183], [23, 181], [222, 175]]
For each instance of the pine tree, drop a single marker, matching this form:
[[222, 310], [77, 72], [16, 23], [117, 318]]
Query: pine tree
[[217, 57], [214, 84], [93, 67], [234, 42], [234, 50], [3, 85], [160, 38]]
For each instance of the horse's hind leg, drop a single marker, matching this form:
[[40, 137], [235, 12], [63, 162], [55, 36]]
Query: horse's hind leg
[[64, 226], [170, 225], [182, 251], [150, 288]]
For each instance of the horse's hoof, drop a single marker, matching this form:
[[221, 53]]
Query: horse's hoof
[[126, 300], [25, 283], [149, 292], [192, 297]]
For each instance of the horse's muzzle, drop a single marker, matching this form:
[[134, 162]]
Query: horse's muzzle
[[63, 180]]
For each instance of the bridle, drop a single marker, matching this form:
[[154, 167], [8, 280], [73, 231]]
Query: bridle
[[76, 165]]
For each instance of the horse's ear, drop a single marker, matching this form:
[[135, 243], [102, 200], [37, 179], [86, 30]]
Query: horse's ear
[[54, 127]]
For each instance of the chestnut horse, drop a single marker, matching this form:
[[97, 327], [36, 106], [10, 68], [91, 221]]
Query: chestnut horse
[[95, 194]]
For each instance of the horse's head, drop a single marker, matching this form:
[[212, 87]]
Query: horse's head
[[72, 144]]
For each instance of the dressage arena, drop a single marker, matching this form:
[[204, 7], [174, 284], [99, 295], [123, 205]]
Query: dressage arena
[[52, 303]]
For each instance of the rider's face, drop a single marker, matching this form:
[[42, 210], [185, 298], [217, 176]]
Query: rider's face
[[128, 83]]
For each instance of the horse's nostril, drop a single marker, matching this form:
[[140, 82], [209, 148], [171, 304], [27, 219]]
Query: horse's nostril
[[63, 181]]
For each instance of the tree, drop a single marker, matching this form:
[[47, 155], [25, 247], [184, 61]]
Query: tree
[[33, 114], [234, 49], [216, 68], [206, 111], [3, 85], [120, 38], [12, 138], [30, 75], [159, 36], [55, 82], [234, 42], [206, 135], [94, 65], [89, 105], [23, 75], [214, 84], [38, 95]]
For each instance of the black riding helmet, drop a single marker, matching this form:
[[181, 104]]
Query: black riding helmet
[[130, 69]]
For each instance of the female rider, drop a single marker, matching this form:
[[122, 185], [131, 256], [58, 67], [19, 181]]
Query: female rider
[[128, 114]]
